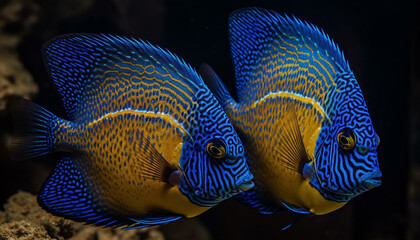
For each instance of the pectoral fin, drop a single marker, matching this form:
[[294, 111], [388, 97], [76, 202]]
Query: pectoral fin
[[291, 147], [152, 164]]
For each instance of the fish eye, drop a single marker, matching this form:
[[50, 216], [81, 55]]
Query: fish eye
[[346, 139], [216, 148]]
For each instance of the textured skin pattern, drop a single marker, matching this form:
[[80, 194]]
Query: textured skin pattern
[[283, 63], [118, 92]]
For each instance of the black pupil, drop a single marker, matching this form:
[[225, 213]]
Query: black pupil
[[343, 139], [215, 150]]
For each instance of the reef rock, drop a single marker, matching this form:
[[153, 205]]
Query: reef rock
[[23, 230], [23, 218]]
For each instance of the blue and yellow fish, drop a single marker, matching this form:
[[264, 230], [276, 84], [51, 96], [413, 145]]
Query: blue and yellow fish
[[301, 115], [145, 142]]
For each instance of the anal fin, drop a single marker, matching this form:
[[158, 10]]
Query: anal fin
[[153, 219], [258, 201], [67, 193]]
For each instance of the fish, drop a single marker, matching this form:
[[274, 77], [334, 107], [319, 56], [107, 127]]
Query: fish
[[144, 141], [300, 113]]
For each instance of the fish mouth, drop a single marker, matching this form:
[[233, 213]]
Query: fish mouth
[[246, 183], [246, 186], [372, 183], [371, 180]]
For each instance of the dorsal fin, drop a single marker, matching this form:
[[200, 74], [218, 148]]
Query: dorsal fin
[[78, 63], [255, 31]]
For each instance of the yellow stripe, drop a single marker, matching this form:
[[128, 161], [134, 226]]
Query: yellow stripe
[[169, 89], [333, 70], [153, 79], [146, 72], [322, 66], [167, 118], [163, 75], [309, 48], [289, 95]]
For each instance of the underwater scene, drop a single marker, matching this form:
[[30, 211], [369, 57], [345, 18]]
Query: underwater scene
[[161, 119]]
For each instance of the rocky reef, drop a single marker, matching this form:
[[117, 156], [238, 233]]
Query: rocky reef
[[24, 219]]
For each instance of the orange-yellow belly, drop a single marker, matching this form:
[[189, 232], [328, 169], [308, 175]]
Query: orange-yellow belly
[[111, 165], [260, 124], [283, 184]]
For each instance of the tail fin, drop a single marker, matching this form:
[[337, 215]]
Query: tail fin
[[32, 130], [215, 84]]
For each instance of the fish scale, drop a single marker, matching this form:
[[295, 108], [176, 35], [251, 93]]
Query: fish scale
[[114, 156], [142, 138], [300, 113]]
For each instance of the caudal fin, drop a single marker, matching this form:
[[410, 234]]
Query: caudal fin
[[32, 130], [215, 84]]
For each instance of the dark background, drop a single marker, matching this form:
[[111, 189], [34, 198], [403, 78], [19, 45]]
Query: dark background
[[380, 39]]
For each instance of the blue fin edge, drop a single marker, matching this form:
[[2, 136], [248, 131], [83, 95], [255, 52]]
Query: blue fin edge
[[151, 220], [32, 130], [67, 194], [253, 199]]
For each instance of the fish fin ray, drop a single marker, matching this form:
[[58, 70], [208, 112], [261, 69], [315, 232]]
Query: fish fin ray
[[294, 221], [82, 65], [32, 130], [296, 209], [258, 201], [153, 219], [291, 149], [152, 164], [257, 34], [215, 84], [66, 193]]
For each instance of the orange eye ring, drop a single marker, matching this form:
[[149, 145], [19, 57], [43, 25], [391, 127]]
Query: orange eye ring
[[346, 139], [216, 148]]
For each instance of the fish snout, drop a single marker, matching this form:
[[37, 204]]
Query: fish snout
[[371, 180], [245, 186], [245, 183]]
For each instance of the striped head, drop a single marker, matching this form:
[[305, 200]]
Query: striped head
[[214, 162], [346, 161]]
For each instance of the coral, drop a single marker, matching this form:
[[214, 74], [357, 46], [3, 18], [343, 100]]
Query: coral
[[23, 230], [25, 219], [23, 206]]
